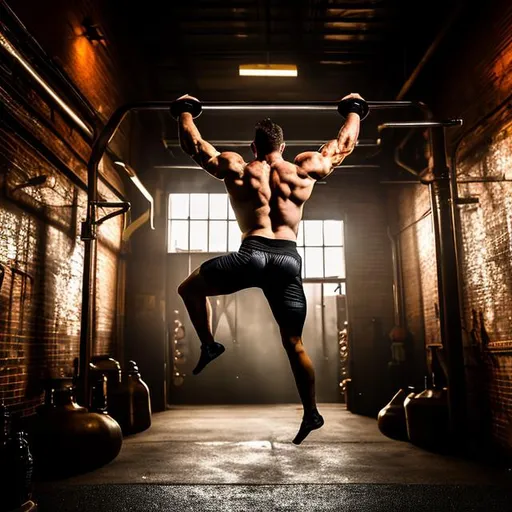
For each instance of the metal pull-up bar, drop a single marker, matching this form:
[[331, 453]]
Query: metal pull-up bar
[[89, 226]]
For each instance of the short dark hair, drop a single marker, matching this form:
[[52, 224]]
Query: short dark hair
[[268, 136]]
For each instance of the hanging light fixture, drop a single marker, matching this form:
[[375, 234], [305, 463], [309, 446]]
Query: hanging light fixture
[[287, 70]]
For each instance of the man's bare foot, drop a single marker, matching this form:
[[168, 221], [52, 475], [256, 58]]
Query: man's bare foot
[[209, 352], [311, 422]]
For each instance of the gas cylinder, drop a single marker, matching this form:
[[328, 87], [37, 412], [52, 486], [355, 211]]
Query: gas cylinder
[[108, 366], [131, 403], [427, 419], [391, 418], [68, 439]]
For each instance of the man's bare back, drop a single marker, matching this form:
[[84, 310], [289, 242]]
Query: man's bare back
[[268, 193], [268, 198]]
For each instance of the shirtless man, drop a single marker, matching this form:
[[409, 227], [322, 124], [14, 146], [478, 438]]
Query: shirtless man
[[267, 196]]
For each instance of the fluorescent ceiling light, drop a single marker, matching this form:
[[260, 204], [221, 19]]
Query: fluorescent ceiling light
[[267, 70]]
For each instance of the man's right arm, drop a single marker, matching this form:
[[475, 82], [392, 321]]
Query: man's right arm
[[319, 164]]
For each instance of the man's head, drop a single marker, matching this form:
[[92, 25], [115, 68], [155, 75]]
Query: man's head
[[267, 138]]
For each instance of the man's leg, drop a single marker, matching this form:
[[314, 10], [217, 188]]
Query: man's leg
[[218, 276], [303, 371], [304, 374], [288, 304], [194, 291]]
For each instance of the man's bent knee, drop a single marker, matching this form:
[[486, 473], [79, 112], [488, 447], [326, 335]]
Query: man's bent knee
[[183, 289], [292, 342], [192, 285]]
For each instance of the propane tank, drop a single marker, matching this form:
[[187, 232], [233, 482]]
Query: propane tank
[[130, 403], [391, 418], [67, 438]]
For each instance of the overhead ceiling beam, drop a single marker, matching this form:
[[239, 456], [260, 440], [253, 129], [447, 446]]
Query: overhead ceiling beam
[[256, 31], [430, 50], [193, 22]]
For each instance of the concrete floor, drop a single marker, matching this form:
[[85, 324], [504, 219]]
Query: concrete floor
[[236, 444]]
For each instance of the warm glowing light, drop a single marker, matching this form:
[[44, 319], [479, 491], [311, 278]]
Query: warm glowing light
[[289, 70], [142, 189], [14, 53]]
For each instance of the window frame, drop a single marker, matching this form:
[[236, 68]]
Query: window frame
[[230, 218]]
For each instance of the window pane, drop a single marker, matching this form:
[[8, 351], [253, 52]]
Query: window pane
[[178, 235], [313, 232], [333, 232], [199, 235], [231, 212], [178, 206], [300, 234], [235, 236], [334, 289], [334, 262], [219, 206], [300, 250], [198, 206], [314, 262], [218, 236]]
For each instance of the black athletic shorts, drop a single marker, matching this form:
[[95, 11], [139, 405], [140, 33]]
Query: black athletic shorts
[[269, 264]]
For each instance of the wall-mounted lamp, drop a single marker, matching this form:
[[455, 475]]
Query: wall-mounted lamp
[[93, 32]]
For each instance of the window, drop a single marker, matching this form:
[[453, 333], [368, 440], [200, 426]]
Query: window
[[206, 223], [202, 223], [321, 246]]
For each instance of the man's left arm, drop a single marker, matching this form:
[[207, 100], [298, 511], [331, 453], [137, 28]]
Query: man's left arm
[[212, 161]]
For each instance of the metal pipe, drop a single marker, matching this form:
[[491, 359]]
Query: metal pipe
[[243, 143], [449, 298], [421, 124], [397, 308], [299, 105], [64, 107], [196, 168], [142, 189], [279, 105], [400, 182], [262, 105], [486, 180]]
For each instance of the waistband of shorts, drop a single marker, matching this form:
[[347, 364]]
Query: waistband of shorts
[[272, 243]]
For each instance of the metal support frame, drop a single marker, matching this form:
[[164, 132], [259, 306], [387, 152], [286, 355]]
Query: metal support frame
[[175, 143], [443, 206], [89, 226]]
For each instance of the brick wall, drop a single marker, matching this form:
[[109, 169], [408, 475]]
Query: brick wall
[[486, 266], [469, 77], [41, 254]]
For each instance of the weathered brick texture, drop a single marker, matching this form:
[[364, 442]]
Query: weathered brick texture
[[41, 254]]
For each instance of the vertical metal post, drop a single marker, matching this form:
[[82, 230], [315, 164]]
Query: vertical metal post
[[86, 334], [448, 284]]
